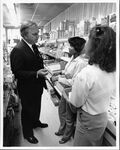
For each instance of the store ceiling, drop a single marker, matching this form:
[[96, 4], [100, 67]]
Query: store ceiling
[[41, 13]]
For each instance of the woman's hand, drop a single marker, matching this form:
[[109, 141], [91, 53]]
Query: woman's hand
[[68, 76], [54, 78]]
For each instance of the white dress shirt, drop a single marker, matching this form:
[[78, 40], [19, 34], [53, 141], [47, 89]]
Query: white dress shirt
[[72, 68], [30, 45], [92, 89]]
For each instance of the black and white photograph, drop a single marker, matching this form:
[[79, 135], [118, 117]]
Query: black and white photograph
[[59, 74]]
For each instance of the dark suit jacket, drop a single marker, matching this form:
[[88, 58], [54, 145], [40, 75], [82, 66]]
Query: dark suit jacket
[[24, 65]]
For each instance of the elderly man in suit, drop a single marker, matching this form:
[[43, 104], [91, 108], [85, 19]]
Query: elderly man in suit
[[27, 66]]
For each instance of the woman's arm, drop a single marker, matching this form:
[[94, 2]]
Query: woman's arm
[[79, 90]]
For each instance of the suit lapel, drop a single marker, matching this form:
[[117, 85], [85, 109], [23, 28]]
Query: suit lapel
[[27, 48], [30, 53]]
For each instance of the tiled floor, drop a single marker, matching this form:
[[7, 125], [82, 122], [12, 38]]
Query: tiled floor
[[46, 137]]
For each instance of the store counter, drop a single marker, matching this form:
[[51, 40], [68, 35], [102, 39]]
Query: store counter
[[110, 134]]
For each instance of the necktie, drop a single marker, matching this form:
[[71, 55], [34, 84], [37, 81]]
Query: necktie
[[38, 55], [35, 49]]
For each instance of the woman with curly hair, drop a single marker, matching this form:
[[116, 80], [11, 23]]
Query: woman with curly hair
[[93, 86]]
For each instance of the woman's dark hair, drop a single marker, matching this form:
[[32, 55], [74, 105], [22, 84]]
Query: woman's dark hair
[[103, 47], [77, 43]]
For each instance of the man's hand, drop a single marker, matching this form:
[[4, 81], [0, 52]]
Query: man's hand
[[42, 73]]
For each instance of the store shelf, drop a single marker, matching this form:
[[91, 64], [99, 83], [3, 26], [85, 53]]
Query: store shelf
[[51, 41], [43, 51], [62, 40]]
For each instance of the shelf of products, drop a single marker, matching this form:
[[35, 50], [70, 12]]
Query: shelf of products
[[10, 107], [54, 68], [58, 49]]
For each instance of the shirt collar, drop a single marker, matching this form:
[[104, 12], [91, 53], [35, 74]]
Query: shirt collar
[[80, 57], [72, 59], [30, 45]]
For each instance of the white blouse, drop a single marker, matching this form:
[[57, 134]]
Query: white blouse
[[72, 68], [92, 89]]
